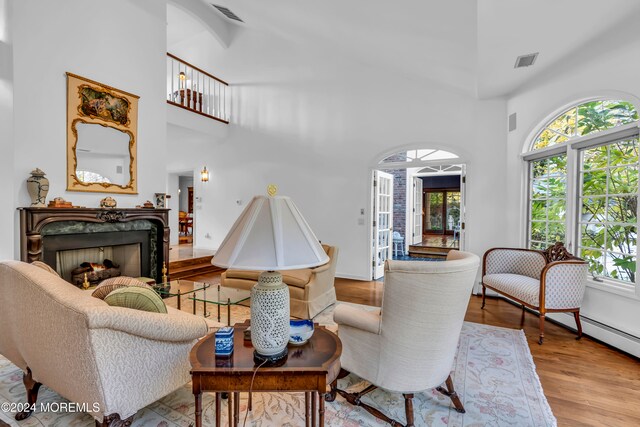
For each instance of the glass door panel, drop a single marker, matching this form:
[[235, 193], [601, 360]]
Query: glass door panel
[[434, 211], [383, 221], [453, 210], [417, 211]]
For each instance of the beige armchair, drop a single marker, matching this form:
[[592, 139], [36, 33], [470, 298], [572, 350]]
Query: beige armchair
[[311, 290], [88, 352], [411, 342]]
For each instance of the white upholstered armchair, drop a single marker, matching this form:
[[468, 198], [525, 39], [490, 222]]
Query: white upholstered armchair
[[409, 345], [549, 281]]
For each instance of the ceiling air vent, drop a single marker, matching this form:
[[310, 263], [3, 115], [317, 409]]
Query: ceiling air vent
[[526, 60], [227, 12]]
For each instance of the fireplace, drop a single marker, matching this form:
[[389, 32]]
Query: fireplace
[[137, 240], [100, 262]]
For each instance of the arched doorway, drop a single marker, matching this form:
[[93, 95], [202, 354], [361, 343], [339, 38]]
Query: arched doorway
[[417, 202]]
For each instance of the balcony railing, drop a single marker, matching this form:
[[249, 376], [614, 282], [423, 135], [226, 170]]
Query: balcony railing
[[195, 90]]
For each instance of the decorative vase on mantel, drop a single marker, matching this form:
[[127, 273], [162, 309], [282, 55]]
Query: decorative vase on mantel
[[38, 187]]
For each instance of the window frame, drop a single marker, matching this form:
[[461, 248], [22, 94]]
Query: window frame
[[529, 198], [573, 148], [580, 171], [552, 118]]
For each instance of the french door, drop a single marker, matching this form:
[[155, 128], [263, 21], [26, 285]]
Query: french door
[[382, 221], [417, 210], [442, 211]]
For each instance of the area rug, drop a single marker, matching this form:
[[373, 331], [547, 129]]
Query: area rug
[[493, 373]]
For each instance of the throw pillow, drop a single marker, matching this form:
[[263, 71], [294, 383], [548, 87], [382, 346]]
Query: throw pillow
[[137, 298], [45, 267], [108, 285]]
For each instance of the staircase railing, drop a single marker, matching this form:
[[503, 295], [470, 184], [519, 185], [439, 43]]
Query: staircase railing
[[195, 90]]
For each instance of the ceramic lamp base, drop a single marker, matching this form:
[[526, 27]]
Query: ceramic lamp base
[[273, 360], [270, 315]]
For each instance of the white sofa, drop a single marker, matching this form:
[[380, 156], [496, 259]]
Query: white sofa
[[549, 281], [87, 351]]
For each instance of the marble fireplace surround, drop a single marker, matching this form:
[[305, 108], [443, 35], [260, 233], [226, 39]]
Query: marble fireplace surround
[[44, 231]]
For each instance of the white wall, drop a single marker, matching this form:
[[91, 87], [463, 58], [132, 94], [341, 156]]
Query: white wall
[[172, 203], [7, 193], [121, 43], [612, 73], [315, 122]]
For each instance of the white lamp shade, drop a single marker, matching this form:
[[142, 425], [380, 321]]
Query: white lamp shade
[[270, 234]]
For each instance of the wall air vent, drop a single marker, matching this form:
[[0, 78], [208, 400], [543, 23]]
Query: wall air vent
[[512, 122], [227, 12], [526, 60]]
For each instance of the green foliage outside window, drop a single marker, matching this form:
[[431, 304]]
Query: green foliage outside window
[[435, 201], [453, 210], [607, 194], [585, 119], [609, 206], [547, 201]]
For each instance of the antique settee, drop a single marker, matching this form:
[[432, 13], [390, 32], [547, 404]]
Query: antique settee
[[547, 281], [111, 360]]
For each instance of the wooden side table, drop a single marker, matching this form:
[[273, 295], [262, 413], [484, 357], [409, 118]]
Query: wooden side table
[[309, 368]]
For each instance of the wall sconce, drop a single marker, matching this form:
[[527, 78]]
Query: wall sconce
[[183, 79], [204, 175]]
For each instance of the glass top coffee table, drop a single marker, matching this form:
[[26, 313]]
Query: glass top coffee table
[[180, 287], [220, 296]]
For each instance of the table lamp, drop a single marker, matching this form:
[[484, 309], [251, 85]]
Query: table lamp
[[270, 235]]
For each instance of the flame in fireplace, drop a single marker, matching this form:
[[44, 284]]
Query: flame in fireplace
[[97, 267]]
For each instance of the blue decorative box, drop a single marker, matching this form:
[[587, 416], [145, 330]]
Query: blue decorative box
[[224, 341]]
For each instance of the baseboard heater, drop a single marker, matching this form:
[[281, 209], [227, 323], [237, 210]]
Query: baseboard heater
[[610, 329], [598, 331]]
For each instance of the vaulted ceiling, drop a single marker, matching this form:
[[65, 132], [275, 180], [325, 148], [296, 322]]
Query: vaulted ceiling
[[468, 46]]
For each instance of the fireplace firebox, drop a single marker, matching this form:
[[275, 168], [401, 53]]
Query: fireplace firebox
[[137, 239]]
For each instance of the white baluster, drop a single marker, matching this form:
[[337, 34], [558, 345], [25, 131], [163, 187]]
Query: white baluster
[[171, 78]]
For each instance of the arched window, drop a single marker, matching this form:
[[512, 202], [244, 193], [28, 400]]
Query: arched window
[[423, 155], [585, 119], [572, 155]]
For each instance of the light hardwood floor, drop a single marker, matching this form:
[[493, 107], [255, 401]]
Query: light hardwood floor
[[186, 251], [586, 383]]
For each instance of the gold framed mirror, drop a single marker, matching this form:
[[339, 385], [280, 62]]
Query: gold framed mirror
[[102, 130]]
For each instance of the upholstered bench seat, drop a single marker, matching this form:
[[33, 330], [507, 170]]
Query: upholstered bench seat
[[311, 290], [298, 278], [524, 288]]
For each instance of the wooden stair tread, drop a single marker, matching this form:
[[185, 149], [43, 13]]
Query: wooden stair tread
[[192, 267], [185, 268], [426, 249], [194, 272], [427, 254], [190, 261]]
